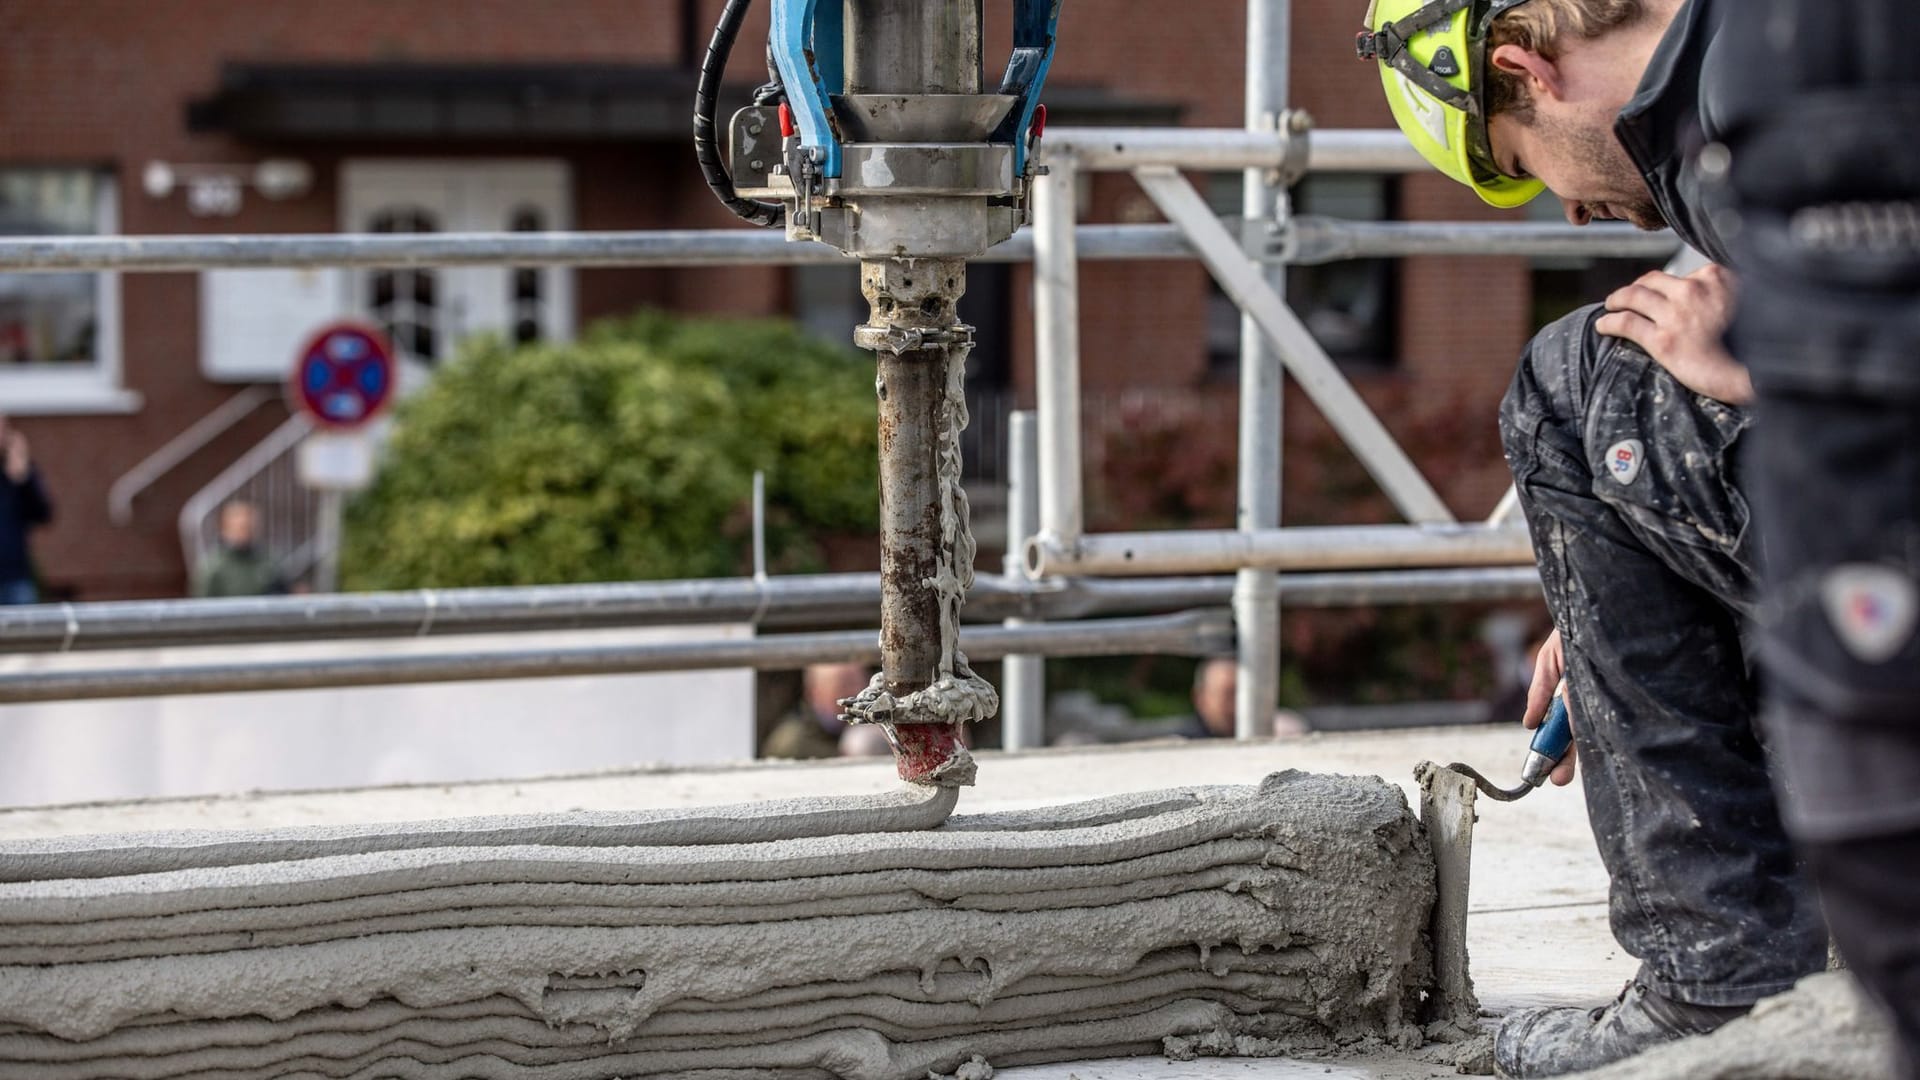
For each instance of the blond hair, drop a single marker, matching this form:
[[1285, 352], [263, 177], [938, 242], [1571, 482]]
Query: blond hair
[[1546, 27]]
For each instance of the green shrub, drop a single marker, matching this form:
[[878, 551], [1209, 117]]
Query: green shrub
[[628, 455]]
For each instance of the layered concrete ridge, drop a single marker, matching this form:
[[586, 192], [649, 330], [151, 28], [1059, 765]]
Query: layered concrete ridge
[[808, 938]]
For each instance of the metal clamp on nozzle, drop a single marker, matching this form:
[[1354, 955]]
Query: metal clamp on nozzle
[[897, 340]]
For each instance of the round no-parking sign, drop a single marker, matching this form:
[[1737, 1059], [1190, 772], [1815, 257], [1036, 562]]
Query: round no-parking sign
[[344, 376]]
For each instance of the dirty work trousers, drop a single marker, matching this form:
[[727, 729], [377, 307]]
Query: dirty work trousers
[[1640, 529], [1820, 177]]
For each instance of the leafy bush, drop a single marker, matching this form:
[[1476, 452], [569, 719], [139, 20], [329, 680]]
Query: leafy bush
[[628, 455]]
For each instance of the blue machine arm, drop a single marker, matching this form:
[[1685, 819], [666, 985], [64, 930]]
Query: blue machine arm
[[806, 38], [1035, 26]]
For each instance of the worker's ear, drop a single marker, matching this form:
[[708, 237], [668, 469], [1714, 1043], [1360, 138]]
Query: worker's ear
[[1541, 75]]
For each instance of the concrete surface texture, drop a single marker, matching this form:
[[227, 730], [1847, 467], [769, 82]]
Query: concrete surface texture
[[804, 938]]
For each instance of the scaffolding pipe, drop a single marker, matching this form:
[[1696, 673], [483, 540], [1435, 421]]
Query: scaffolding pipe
[[1188, 634], [812, 599], [677, 248], [1023, 677], [1310, 240], [1482, 585], [1256, 608], [1102, 149], [1346, 547], [1056, 317], [1363, 151]]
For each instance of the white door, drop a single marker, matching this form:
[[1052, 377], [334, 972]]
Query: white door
[[428, 311]]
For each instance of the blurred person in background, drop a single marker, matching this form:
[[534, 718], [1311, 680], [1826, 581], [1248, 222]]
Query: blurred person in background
[[814, 728], [23, 506], [1215, 683], [239, 566]]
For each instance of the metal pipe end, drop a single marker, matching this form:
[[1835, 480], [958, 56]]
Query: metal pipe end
[[1033, 557], [1045, 556]]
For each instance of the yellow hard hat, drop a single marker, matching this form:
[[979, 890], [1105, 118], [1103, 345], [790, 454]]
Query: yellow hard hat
[[1433, 59]]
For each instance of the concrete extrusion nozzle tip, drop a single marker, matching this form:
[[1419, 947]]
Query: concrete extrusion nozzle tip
[[932, 754]]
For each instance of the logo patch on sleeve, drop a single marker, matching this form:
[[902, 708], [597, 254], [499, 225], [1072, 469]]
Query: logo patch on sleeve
[[1872, 608], [1624, 459]]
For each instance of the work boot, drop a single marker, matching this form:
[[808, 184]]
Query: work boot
[[1558, 1041]]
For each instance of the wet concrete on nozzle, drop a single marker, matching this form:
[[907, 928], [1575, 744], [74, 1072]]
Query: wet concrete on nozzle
[[927, 546]]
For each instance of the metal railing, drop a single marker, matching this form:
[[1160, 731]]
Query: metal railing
[[1314, 239], [175, 451], [770, 603], [1195, 633]]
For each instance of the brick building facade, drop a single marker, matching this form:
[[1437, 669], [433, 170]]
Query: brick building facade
[[595, 93]]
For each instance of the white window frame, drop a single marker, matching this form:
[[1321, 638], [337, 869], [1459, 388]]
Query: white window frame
[[25, 391]]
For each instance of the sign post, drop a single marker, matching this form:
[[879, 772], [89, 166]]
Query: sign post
[[343, 379]]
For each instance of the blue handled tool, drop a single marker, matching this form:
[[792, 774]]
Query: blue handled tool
[[1551, 741]]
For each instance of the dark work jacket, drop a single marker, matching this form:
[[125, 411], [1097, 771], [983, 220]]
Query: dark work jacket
[[1817, 103], [1670, 118], [22, 506]]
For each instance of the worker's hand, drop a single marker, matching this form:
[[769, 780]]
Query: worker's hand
[[1549, 674], [19, 460], [1680, 321]]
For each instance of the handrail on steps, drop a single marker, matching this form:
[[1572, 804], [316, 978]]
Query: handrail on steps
[[178, 449]]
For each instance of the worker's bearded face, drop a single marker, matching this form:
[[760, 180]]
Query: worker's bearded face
[[1574, 152]]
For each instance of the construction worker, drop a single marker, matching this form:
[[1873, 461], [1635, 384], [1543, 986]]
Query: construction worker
[[1816, 181], [1622, 427]]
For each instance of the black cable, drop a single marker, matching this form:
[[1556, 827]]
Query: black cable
[[706, 144]]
